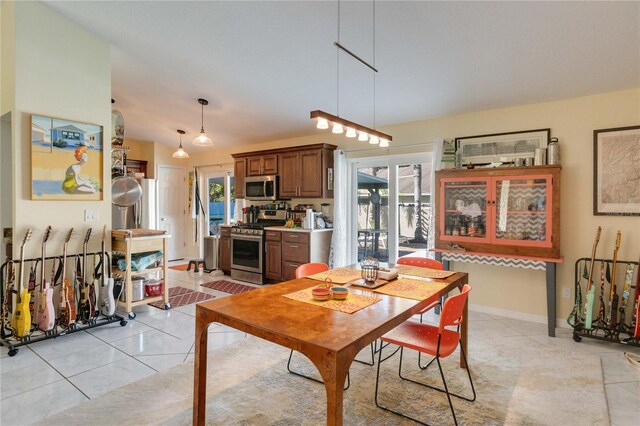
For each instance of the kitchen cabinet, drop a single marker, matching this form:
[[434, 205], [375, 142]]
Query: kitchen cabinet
[[225, 250], [273, 249], [137, 166], [262, 165], [509, 210], [239, 173], [304, 171]]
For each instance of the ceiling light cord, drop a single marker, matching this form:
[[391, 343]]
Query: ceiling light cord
[[338, 67]]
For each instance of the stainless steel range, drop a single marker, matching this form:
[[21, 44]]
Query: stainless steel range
[[247, 246]]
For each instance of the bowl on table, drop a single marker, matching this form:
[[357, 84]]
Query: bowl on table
[[339, 293], [321, 294]]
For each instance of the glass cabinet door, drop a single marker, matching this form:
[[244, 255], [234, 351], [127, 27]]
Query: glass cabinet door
[[464, 210], [523, 211]]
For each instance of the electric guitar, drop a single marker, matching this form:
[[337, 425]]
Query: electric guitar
[[636, 309], [21, 322], [8, 295], [613, 296], [107, 301], [46, 311], [591, 289], [601, 313], [67, 297], [626, 290], [87, 306]]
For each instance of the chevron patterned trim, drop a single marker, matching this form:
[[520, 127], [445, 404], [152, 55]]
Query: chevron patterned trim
[[496, 261]]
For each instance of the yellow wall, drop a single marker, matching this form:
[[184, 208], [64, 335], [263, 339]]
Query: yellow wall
[[61, 70]]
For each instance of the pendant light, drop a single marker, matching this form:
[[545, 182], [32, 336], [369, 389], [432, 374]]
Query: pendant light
[[180, 153], [337, 123], [202, 139]]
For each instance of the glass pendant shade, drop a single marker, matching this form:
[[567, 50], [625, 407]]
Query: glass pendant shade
[[180, 153], [363, 137], [337, 128], [203, 140], [373, 140], [322, 124], [384, 143], [351, 133]]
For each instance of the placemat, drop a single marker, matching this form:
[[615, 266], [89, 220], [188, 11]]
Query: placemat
[[411, 289], [353, 303], [337, 276], [418, 271]]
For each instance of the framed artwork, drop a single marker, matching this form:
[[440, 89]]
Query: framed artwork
[[616, 171], [501, 147], [66, 160]]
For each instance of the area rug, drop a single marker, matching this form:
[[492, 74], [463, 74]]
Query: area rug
[[518, 385], [228, 286], [182, 267], [181, 296]]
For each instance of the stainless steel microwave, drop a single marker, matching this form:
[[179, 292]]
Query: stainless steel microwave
[[261, 188]]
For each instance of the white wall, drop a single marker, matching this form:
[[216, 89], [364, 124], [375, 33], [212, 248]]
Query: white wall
[[61, 70]]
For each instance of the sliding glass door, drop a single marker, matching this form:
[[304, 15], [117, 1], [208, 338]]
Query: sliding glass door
[[391, 205]]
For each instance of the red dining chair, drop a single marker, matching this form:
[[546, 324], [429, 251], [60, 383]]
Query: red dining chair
[[439, 342], [302, 271]]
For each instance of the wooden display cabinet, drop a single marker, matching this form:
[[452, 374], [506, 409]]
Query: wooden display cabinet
[[139, 241], [508, 210]]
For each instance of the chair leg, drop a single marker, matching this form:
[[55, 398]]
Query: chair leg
[[309, 377], [473, 389], [446, 389], [373, 351]]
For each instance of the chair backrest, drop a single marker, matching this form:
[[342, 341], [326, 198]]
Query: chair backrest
[[452, 309], [423, 262], [310, 269]]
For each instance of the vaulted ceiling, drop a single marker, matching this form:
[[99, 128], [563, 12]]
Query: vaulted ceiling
[[264, 65]]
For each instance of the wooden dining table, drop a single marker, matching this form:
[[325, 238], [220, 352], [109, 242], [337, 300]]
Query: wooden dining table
[[329, 338]]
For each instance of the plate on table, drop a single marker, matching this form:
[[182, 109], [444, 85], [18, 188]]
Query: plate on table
[[362, 283]]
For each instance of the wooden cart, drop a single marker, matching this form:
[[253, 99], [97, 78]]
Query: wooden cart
[[129, 241]]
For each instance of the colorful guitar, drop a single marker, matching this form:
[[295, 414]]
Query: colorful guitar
[[107, 302], [46, 311], [591, 289], [613, 296], [8, 292], [626, 290], [601, 312], [87, 305], [21, 322], [636, 309], [67, 297]]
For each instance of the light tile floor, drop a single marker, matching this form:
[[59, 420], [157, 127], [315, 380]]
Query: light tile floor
[[58, 374]]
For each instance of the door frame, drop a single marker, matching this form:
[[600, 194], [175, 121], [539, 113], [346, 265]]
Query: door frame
[[183, 223], [226, 174], [391, 161]]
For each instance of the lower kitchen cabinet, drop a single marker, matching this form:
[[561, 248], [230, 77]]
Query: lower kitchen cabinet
[[273, 262], [225, 250], [286, 250]]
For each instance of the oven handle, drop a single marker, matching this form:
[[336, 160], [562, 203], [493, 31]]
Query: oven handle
[[246, 237]]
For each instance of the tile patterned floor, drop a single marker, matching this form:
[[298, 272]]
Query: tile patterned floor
[[88, 364]]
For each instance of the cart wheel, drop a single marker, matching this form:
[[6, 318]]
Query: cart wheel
[[132, 315], [167, 306], [577, 338], [13, 352], [123, 322]]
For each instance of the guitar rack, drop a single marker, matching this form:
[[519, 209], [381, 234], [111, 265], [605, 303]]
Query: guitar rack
[[623, 331], [13, 343]]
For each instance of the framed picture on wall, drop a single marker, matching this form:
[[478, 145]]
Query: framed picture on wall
[[66, 160], [616, 171], [501, 147]]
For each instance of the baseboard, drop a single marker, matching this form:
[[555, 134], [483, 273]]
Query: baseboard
[[541, 319]]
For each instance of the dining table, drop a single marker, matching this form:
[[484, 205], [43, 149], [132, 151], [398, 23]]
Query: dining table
[[329, 338]]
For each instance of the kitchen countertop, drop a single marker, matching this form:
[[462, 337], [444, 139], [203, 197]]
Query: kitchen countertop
[[282, 228]]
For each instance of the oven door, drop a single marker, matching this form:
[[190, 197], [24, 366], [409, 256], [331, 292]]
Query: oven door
[[246, 252]]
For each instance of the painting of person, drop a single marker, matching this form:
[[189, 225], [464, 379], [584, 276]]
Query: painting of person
[[74, 183]]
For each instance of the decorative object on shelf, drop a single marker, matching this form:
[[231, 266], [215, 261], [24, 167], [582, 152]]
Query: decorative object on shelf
[[77, 148], [616, 171], [202, 139], [180, 153], [540, 157], [500, 147], [553, 152], [338, 124], [117, 127]]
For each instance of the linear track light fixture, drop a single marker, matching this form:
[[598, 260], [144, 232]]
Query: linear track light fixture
[[324, 118]]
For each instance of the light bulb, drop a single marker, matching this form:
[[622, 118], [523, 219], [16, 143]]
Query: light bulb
[[180, 153], [323, 124], [363, 137], [384, 143], [351, 133], [373, 140], [337, 128], [202, 140]]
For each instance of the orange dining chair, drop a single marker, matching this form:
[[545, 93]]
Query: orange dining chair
[[302, 271], [439, 342]]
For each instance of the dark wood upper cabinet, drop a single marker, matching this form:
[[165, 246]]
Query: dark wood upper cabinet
[[289, 173], [239, 173], [262, 165], [137, 166]]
